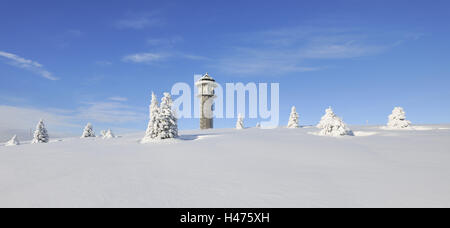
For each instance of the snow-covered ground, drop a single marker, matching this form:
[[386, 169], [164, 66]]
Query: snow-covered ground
[[234, 168]]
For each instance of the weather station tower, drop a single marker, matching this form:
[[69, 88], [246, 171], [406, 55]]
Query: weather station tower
[[206, 95]]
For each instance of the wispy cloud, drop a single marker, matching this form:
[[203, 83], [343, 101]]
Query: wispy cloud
[[243, 66], [291, 50], [117, 98], [22, 120], [149, 57], [348, 49], [110, 112], [143, 57], [163, 50], [138, 21], [27, 64], [192, 57]]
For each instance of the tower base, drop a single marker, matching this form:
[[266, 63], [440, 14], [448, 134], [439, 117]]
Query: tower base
[[206, 123]]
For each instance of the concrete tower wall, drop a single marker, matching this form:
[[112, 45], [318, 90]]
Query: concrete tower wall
[[206, 112], [206, 85]]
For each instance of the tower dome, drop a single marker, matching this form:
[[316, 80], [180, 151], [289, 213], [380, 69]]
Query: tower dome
[[206, 77], [206, 85]]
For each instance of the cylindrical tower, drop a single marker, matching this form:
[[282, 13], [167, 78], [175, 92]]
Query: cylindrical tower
[[206, 85]]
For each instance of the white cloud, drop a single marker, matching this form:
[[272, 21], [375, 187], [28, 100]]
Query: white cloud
[[340, 51], [157, 57], [20, 60], [21, 120], [192, 57], [110, 112], [143, 57], [258, 66], [27, 64], [27, 117], [292, 50], [117, 98]]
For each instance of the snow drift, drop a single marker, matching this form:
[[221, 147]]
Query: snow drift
[[232, 168]]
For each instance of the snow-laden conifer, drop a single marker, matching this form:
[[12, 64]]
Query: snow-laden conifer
[[397, 120], [88, 131], [152, 127], [108, 134], [258, 125], [167, 126], [332, 125], [240, 122], [40, 134], [293, 119], [13, 142]]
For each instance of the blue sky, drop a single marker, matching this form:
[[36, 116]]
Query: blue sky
[[73, 62]]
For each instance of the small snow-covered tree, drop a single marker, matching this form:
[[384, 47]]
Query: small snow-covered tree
[[332, 125], [166, 121], [397, 119], [293, 119], [13, 142], [109, 134], [88, 131], [240, 122], [258, 125], [40, 135], [152, 128], [103, 133]]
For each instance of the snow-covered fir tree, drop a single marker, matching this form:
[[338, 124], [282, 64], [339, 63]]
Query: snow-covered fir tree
[[332, 125], [152, 128], [293, 119], [40, 135], [240, 122], [258, 125], [166, 121], [109, 134], [397, 120], [88, 131], [13, 142], [103, 133]]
